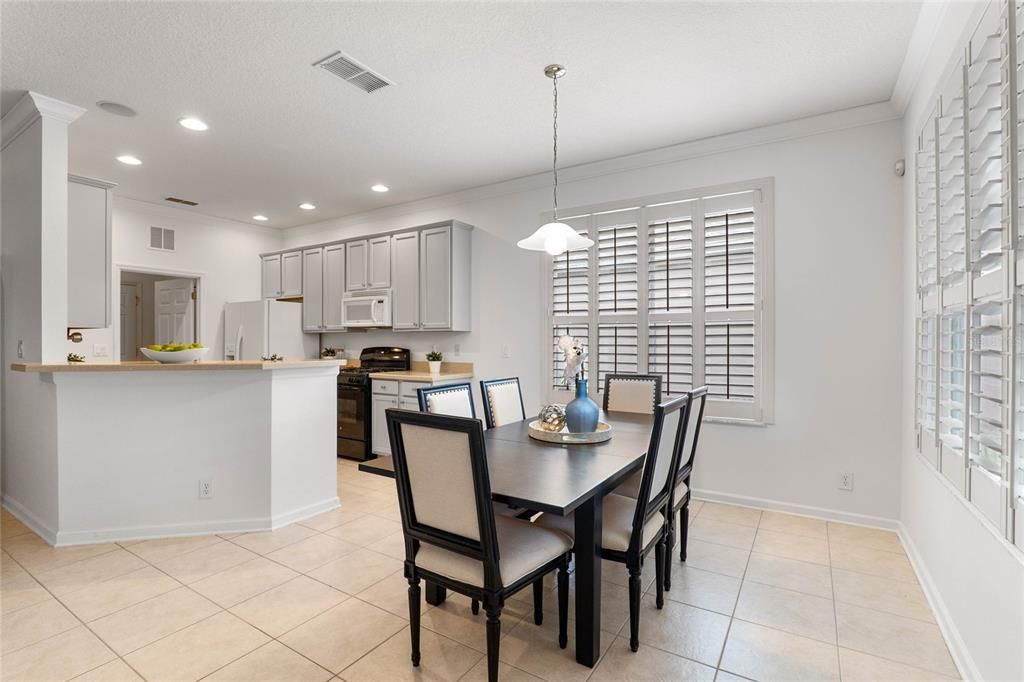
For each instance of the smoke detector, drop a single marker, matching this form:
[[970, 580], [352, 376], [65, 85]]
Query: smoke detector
[[352, 72]]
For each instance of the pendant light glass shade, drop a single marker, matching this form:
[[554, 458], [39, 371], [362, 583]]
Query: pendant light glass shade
[[556, 239]]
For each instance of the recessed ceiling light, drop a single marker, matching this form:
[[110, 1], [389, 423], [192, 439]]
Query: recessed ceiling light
[[192, 124], [380, 188], [260, 217], [115, 108], [129, 160], [307, 206]]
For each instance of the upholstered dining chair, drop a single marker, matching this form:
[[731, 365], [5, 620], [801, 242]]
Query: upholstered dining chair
[[632, 392], [452, 399], [452, 536], [680, 498], [633, 527], [503, 401]]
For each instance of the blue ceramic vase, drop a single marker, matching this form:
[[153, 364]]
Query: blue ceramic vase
[[581, 414]]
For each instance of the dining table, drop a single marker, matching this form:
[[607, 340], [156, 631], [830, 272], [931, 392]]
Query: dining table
[[564, 479]]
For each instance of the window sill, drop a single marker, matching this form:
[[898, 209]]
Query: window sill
[[736, 421]]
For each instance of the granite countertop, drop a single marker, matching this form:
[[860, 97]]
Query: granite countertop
[[151, 366]]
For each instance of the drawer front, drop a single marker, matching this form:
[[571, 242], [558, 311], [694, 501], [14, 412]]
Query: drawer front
[[409, 388], [385, 386]]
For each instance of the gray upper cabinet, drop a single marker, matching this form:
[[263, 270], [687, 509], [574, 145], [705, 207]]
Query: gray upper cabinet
[[405, 276], [333, 286], [445, 277], [291, 274], [271, 276], [378, 275], [356, 265], [312, 290], [89, 252]]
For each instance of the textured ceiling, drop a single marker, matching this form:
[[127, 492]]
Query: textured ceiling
[[470, 105]]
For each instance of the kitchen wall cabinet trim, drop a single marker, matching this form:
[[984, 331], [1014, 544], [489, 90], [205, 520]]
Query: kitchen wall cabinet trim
[[90, 204]]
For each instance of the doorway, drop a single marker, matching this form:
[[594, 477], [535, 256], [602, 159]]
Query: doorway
[[156, 309]]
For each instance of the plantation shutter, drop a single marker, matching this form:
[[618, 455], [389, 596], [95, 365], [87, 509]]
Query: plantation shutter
[[618, 296], [570, 278], [927, 290]]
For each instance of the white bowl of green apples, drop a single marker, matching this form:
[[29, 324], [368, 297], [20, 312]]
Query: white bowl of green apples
[[175, 352]]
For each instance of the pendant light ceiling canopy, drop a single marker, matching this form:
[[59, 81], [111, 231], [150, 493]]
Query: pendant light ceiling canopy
[[555, 237]]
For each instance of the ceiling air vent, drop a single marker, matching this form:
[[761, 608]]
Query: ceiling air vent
[[161, 238], [176, 200], [349, 70]]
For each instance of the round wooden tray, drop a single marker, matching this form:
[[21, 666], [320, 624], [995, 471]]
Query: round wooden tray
[[603, 433]]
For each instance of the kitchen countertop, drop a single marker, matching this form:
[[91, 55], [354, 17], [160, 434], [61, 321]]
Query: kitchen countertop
[[151, 366]]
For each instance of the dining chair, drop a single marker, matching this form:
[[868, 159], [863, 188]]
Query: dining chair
[[680, 496], [633, 527], [632, 392], [452, 536], [503, 401], [452, 399]]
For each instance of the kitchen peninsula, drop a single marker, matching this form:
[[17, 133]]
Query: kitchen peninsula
[[142, 450]]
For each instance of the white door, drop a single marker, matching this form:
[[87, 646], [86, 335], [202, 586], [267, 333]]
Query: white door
[[334, 287], [312, 290], [379, 263], [405, 276], [175, 311], [436, 278], [291, 274], [379, 426], [355, 265], [271, 273], [131, 321]]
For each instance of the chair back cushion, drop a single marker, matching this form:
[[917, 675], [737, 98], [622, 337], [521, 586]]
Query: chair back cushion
[[693, 424], [441, 479], [505, 403], [457, 402], [631, 395], [662, 476]]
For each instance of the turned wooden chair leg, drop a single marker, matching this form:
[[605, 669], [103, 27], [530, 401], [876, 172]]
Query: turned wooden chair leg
[[475, 606], [684, 529], [538, 601], [563, 605], [493, 638], [414, 618], [659, 573], [669, 545], [634, 608]]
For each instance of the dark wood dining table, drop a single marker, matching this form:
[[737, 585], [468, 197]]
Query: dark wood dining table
[[562, 479]]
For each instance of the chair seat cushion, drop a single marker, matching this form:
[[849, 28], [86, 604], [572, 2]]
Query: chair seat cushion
[[522, 546], [617, 523], [680, 492], [631, 488]]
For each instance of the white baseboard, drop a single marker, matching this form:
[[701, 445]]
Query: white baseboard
[[305, 512], [799, 509], [957, 649], [22, 513]]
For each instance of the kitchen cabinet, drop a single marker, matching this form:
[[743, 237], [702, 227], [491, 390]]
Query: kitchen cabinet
[[380, 442], [333, 286], [89, 252], [445, 277], [388, 393], [291, 274], [271, 276], [313, 290], [405, 277], [355, 265], [368, 264]]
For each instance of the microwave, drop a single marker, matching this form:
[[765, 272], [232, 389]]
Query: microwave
[[366, 308]]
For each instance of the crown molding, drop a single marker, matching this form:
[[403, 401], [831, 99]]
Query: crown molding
[[922, 41], [31, 107]]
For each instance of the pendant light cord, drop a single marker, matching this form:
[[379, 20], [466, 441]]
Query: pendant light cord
[[554, 127]]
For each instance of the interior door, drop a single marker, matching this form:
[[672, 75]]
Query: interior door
[[175, 311], [131, 321]]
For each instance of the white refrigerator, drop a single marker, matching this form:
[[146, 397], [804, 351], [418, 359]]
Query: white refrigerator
[[257, 329]]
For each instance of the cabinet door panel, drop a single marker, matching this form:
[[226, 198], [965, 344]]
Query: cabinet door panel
[[312, 290], [334, 286], [379, 263], [272, 276], [436, 278], [355, 265], [291, 274], [88, 256], [405, 281], [379, 426]]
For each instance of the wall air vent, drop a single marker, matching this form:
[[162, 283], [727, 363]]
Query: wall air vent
[[161, 238], [186, 202], [349, 70]]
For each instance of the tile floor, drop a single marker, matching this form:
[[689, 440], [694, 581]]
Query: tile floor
[[763, 596]]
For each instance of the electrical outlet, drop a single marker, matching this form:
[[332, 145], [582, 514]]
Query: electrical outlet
[[100, 350], [458, 349], [506, 351], [21, 349], [846, 481], [205, 489]]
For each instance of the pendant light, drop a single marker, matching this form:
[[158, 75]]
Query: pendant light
[[556, 238]]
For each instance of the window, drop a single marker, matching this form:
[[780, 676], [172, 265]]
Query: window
[[676, 285]]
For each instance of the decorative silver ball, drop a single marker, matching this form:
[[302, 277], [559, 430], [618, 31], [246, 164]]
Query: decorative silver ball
[[552, 418]]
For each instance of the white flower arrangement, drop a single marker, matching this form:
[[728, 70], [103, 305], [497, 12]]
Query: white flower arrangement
[[575, 356]]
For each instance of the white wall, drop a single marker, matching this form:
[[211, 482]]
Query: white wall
[[974, 578], [838, 263]]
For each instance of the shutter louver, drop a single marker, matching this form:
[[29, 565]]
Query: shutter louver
[[926, 372], [570, 276], [927, 253], [617, 351], [729, 260], [729, 360], [670, 355], [670, 266], [952, 213], [617, 269], [952, 383]]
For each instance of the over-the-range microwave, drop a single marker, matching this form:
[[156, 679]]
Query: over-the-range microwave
[[366, 308]]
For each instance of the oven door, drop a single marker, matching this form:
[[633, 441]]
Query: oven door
[[352, 422]]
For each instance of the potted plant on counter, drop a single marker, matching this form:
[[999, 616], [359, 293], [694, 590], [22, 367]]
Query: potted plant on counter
[[434, 358]]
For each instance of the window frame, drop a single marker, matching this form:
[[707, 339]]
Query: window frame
[[760, 411]]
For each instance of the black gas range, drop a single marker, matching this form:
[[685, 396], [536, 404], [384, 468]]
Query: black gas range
[[354, 402]]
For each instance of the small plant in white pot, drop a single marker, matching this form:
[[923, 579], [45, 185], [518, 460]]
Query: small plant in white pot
[[434, 360]]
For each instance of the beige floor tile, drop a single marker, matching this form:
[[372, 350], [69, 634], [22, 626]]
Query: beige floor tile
[[800, 576], [332, 519], [11, 527], [342, 635], [392, 545], [243, 581], [793, 612], [115, 671], [269, 541], [88, 572], [57, 658], [455, 620], [616, 573], [101, 599], [20, 591], [722, 676], [744, 516], [905, 640], [311, 553], [369, 503], [715, 558], [506, 673], [614, 603], [392, 595], [647, 664], [794, 524], [289, 605], [155, 551], [861, 667], [197, 650], [9, 568], [882, 594], [761, 653], [366, 530], [877, 562], [682, 630], [148, 621], [875, 538], [813, 550], [440, 659], [272, 662], [35, 623], [722, 533], [355, 572], [535, 650], [704, 589], [196, 565], [695, 507], [35, 556]]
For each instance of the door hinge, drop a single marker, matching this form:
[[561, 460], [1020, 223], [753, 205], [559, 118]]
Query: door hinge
[[193, 294], [136, 300]]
